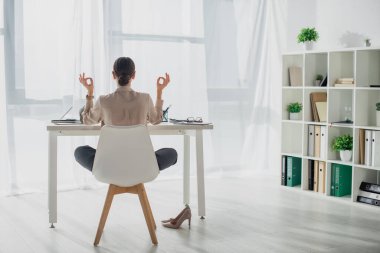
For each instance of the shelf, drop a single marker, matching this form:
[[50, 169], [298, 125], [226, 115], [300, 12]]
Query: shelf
[[367, 67], [292, 87], [368, 127], [341, 66], [334, 132], [332, 124], [341, 88], [315, 123], [314, 158], [292, 154], [368, 88], [366, 167], [315, 88], [341, 162], [292, 121], [315, 64], [358, 103], [366, 102], [291, 61], [340, 105]]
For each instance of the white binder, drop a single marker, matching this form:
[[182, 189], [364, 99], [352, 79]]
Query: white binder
[[368, 147], [369, 195], [310, 150], [376, 148], [323, 142]]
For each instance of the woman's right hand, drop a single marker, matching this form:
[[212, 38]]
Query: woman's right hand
[[88, 83]]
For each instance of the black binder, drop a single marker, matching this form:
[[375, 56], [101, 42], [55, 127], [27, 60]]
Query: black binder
[[368, 187], [369, 201], [311, 175]]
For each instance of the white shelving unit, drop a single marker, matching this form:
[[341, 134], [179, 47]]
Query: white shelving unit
[[362, 64]]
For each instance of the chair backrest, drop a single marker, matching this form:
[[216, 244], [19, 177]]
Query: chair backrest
[[125, 156]]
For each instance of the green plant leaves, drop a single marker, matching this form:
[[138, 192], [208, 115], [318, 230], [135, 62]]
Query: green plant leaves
[[308, 34], [343, 142], [294, 107]]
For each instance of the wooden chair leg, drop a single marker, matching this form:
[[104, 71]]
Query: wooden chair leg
[[149, 208], [144, 205], [103, 218]]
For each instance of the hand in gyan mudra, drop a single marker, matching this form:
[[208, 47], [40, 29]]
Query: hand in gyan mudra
[[87, 82], [162, 82]]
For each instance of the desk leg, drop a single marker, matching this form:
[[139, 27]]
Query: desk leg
[[200, 174], [186, 169], [52, 178]]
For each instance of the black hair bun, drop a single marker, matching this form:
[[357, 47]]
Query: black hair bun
[[123, 79]]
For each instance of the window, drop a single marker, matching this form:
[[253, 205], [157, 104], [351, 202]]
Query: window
[[163, 36]]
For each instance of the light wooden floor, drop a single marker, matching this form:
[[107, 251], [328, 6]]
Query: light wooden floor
[[243, 215]]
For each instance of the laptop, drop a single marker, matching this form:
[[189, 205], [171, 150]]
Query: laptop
[[62, 121]]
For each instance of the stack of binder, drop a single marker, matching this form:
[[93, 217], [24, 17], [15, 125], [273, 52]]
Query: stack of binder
[[369, 194], [317, 141], [317, 176], [369, 146], [291, 171], [341, 180]]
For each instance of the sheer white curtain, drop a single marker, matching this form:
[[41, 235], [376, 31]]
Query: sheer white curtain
[[48, 44], [261, 37]]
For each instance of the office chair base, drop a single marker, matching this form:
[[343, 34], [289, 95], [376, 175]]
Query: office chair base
[[202, 217], [52, 225]]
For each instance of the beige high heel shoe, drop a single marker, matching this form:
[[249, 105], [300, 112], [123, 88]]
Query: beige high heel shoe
[[176, 223], [176, 218]]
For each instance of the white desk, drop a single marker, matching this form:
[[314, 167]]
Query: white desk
[[162, 129]]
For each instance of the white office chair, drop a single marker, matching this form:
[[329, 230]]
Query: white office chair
[[125, 159]]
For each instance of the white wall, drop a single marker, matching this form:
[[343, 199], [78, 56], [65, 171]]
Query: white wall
[[340, 23]]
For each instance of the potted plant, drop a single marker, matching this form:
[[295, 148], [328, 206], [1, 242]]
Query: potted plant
[[378, 114], [318, 80], [294, 110], [343, 144], [308, 36]]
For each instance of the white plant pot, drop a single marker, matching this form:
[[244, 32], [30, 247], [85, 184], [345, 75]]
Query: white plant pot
[[317, 83], [294, 115], [378, 118], [345, 155], [308, 45]]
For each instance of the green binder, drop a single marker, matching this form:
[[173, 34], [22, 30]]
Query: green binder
[[293, 171], [333, 173], [342, 179]]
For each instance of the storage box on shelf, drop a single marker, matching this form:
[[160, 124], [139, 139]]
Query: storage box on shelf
[[359, 68]]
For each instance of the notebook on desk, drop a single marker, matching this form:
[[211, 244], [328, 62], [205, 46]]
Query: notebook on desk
[[62, 121], [188, 122]]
